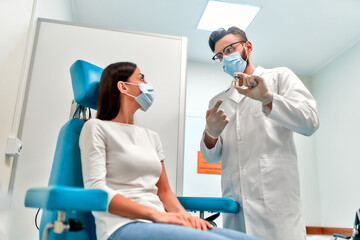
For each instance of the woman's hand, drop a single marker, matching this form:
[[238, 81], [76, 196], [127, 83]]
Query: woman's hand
[[198, 223], [184, 219]]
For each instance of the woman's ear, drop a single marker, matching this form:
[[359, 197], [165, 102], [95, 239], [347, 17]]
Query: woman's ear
[[122, 87]]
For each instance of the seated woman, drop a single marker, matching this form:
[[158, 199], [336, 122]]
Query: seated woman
[[127, 162]]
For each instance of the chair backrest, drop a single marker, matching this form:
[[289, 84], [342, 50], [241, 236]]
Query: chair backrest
[[85, 78], [66, 169]]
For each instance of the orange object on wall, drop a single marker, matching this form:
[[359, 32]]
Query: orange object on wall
[[208, 168]]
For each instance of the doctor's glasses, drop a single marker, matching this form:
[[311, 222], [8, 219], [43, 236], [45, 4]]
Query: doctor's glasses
[[227, 50]]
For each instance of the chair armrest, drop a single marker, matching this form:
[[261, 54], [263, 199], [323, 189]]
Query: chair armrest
[[336, 235], [63, 198], [210, 204]]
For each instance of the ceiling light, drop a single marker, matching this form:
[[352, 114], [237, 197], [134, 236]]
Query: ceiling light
[[224, 15]]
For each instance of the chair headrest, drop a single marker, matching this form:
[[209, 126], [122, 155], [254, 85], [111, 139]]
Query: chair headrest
[[85, 78]]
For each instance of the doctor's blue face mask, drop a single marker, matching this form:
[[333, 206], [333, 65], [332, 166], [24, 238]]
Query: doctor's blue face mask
[[233, 63], [146, 98]]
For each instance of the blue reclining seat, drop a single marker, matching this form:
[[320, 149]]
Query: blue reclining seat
[[66, 190]]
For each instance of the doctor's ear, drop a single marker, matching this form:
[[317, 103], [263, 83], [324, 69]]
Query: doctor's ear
[[122, 87], [248, 47]]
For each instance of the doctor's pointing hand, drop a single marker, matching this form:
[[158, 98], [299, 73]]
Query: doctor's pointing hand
[[216, 120]]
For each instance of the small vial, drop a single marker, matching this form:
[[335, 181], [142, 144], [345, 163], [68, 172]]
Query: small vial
[[235, 82]]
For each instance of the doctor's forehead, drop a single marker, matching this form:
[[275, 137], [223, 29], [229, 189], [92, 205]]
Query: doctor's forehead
[[225, 41]]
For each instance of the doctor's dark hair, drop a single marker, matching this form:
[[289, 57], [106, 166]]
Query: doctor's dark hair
[[221, 32], [109, 94]]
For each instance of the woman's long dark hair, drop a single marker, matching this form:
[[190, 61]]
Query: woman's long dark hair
[[109, 94]]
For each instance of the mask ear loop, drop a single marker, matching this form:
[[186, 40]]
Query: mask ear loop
[[131, 84], [130, 95], [247, 58]]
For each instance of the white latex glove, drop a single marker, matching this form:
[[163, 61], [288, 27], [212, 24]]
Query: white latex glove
[[216, 120], [256, 88]]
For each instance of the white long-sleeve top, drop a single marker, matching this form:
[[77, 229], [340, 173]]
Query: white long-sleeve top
[[120, 159], [258, 155]]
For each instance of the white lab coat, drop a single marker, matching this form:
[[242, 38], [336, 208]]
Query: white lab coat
[[259, 162]]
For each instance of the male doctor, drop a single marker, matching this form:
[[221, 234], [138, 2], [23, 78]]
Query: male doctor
[[249, 128]]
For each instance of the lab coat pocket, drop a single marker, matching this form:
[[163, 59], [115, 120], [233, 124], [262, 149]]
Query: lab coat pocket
[[280, 184]]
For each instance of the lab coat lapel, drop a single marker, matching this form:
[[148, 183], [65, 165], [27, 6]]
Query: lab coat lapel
[[234, 95]]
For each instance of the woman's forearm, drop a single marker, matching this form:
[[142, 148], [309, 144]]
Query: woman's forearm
[[124, 207], [171, 202]]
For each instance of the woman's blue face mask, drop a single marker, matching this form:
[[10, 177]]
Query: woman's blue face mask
[[146, 98]]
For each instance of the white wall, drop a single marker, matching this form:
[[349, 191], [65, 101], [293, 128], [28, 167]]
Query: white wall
[[336, 88], [16, 26], [203, 82], [17, 19]]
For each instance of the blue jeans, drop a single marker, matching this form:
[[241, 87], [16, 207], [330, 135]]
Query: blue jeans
[[161, 231]]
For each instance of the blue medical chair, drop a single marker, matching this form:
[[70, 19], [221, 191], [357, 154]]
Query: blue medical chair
[[66, 204]]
